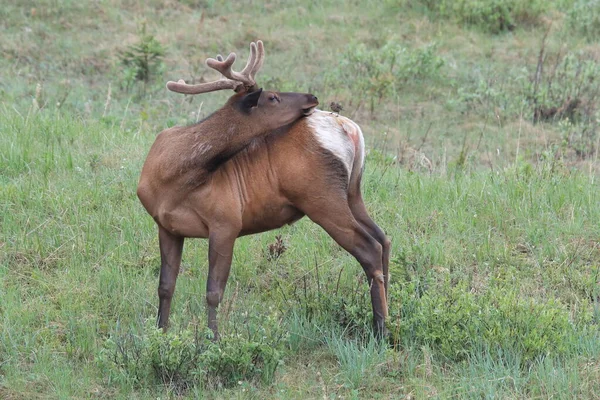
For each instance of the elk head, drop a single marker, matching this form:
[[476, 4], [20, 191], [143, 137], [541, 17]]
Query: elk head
[[272, 109]]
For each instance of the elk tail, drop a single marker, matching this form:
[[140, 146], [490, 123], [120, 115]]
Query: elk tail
[[355, 133]]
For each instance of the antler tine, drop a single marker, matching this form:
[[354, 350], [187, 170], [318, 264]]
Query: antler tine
[[224, 67], [251, 60], [260, 59]]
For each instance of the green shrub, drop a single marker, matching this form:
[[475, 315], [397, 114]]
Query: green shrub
[[235, 359], [584, 17], [566, 89], [457, 323], [348, 309], [496, 94], [355, 316], [152, 357], [176, 357], [573, 77], [375, 74], [492, 16], [582, 138], [123, 359], [569, 91], [185, 359]]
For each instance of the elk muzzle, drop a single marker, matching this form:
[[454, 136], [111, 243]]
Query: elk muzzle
[[313, 103]]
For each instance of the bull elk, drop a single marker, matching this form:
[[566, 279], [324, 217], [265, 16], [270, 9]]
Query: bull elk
[[265, 159]]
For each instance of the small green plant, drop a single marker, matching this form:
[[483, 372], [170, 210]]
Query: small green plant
[[354, 314], [582, 138], [499, 96], [331, 306], [143, 60]]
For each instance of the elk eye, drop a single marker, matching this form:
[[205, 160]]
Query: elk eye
[[273, 98]]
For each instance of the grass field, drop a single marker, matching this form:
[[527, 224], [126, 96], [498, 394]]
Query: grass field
[[482, 129]]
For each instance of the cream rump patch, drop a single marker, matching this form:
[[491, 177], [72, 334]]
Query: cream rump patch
[[340, 135]]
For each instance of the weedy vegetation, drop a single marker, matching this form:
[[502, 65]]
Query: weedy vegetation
[[482, 124]]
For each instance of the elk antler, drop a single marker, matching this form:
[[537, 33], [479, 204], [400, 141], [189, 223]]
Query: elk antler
[[237, 81]]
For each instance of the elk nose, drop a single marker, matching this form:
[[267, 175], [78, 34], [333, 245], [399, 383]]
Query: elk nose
[[314, 98]]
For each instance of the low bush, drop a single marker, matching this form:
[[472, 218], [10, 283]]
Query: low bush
[[492, 16], [562, 88], [185, 359], [584, 17], [457, 323], [567, 88], [176, 358], [377, 73], [234, 359]]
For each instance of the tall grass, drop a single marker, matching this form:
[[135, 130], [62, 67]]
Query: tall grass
[[359, 360]]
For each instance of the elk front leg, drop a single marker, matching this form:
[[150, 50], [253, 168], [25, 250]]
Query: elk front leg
[[220, 254], [171, 248]]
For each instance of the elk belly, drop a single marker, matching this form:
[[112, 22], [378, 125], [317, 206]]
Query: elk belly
[[268, 217]]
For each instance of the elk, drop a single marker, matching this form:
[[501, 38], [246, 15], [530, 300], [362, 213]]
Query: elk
[[265, 159]]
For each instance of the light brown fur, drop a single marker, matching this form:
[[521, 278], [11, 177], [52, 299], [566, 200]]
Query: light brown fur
[[275, 180]]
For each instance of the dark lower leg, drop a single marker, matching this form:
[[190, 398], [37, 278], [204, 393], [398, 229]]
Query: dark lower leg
[[220, 255], [378, 299]]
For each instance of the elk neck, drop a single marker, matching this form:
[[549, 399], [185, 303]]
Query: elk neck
[[222, 135]]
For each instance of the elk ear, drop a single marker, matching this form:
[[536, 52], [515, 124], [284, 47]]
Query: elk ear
[[251, 100]]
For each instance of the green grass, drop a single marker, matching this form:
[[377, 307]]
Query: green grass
[[493, 219]]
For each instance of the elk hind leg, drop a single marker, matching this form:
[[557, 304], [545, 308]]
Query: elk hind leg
[[339, 222], [359, 211]]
